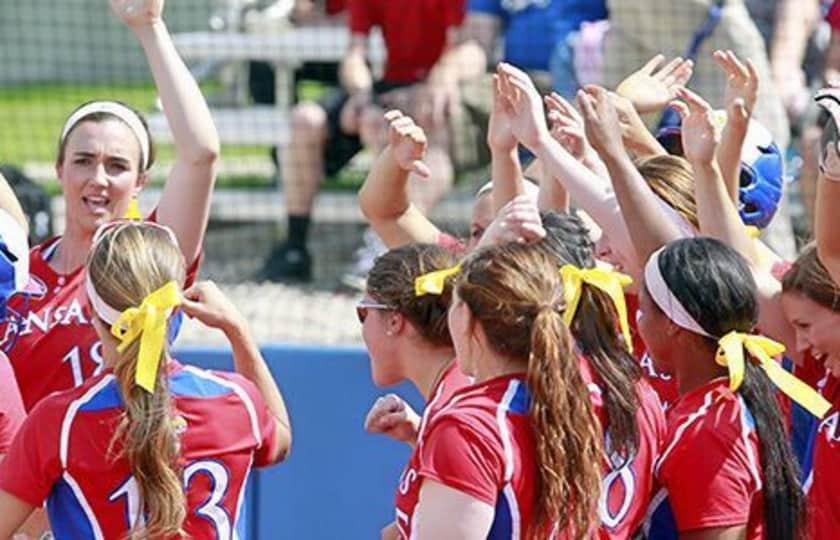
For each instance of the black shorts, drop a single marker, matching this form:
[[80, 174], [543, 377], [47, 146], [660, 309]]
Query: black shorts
[[341, 147]]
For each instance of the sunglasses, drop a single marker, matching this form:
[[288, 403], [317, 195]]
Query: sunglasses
[[111, 226], [363, 307]]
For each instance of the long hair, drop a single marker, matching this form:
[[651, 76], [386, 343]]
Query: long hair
[[808, 276], [597, 332], [128, 263], [672, 179], [391, 281], [715, 285], [514, 292]]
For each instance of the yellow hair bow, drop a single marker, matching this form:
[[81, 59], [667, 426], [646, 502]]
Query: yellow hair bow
[[434, 282], [753, 231], [609, 281], [148, 322], [730, 354]]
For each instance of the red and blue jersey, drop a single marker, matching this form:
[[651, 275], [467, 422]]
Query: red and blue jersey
[[822, 470], [481, 443], [628, 482], [54, 346], [62, 455], [662, 382], [710, 469]]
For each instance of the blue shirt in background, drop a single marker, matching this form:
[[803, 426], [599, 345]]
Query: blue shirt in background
[[532, 28]]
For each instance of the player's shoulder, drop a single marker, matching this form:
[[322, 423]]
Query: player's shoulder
[[198, 383]]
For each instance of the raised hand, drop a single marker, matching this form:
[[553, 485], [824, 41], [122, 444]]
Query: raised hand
[[528, 119], [699, 136], [392, 416], [407, 142], [518, 221], [137, 13], [600, 118], [651, 89], [500, 136], [567, 126], [742, 82], [205, 302]]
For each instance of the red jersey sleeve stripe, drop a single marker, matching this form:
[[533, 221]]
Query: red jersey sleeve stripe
[[708, 400]]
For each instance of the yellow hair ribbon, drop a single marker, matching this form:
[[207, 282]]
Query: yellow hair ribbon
[[434, 282], [133, 211], [609, 281], [753, 232], [148, 322], [731, 355]]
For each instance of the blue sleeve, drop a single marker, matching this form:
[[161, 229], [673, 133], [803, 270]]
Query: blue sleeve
[[490, 7]]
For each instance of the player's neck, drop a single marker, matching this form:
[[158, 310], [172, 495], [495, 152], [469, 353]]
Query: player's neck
[[491, 365], [71, 252], [430, 370], [698, 368]]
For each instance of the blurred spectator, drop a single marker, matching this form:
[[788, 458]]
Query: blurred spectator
[[641, 29], [422, 71]]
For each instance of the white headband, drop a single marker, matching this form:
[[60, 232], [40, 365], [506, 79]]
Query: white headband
[[665, 299], [102, 309], [122, 112]]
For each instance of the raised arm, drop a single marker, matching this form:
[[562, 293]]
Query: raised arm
[[740, 96], [649, 226], [205, 302], [383, 198], [505, 167], [185, 203]]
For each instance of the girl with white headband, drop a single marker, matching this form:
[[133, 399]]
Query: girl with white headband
[[104, 156], [148, 448]]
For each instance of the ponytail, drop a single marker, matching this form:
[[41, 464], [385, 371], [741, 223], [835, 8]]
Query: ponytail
[[567, 434], [149, 436]]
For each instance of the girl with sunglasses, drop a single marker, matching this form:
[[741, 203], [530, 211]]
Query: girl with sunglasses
[[148, 448], [104, 159]]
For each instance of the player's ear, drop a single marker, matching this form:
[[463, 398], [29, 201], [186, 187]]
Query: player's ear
[[395, 323]]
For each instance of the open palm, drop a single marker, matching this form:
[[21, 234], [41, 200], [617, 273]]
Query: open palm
[[651, 89]]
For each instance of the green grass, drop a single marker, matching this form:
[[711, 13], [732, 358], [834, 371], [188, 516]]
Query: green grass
[[32, 115]]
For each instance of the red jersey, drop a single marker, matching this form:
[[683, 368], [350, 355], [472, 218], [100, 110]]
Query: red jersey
[[627, 483], [61, 455], [56, 346], [12, 413], [662, 382], [823, 472], [833, 16], [480, 443], [710, 468], [415, 32]]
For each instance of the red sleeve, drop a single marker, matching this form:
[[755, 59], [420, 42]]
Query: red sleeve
[[709, 483], [833, 16], [363, 15], [265, 454], [454, 13], [335, 6], [458, 456], [12, 413], [32, 465]]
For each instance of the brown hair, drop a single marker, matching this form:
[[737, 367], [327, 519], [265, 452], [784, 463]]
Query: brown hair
[[672, 179], [391, 281], [808, 276], [99, 117], [514, 292], [128, 263]]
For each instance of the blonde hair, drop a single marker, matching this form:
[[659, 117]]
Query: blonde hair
[[128, 263], [672, 179], [515, 294]]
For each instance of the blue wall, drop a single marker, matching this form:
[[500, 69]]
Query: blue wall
[[339, 480]]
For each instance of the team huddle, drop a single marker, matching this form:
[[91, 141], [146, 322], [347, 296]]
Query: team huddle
[[612, 353]]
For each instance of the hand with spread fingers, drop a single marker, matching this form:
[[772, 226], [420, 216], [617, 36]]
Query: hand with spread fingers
[[742, 82], [500, 136], [528, 119], [567, 126], [651, 88], [603, 128], [407, 142], [699, 137]]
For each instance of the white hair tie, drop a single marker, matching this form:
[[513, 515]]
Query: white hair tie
[[128, 116]]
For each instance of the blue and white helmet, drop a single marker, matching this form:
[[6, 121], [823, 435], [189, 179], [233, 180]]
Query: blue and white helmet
[[14, 260], [762, 170]]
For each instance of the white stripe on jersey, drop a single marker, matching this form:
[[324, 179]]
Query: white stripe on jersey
[[70, 415], [745, 436], [77, 491], [240, 392], [657, 499], [699, 413], [507, 492], [426, 410]]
